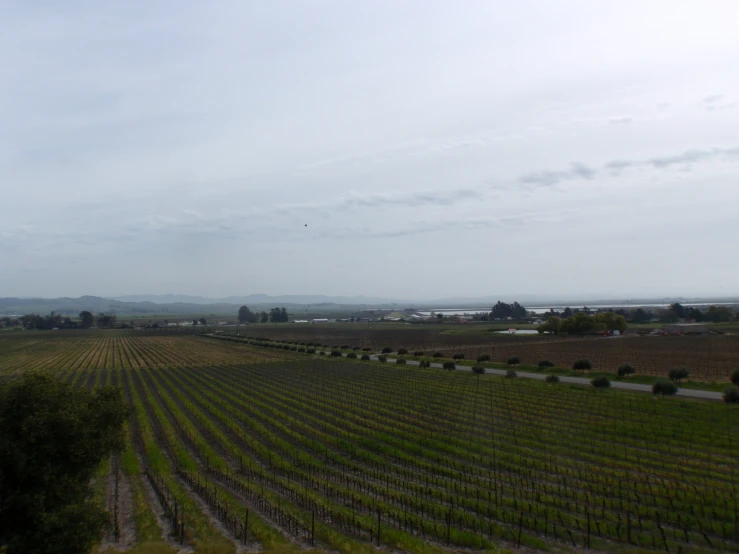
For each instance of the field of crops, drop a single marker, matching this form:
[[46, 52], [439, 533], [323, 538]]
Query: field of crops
[[709, 357], [345, 455], [93, 349]]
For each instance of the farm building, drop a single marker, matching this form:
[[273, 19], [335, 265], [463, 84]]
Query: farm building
[[687, 329], [319, 320], [300, 321]]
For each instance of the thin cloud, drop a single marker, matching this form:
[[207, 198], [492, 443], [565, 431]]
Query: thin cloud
[[548, 178], [623, 120]]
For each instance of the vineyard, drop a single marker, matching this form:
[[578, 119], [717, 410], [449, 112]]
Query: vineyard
[[118, 349], [237, 447]]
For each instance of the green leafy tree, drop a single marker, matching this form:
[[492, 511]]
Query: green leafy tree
[[624, 370], [735, 377], [513, 360], [478, 369], [86, 319], [544, 364], [449, 365], [639, 315], [678, 374], [52, 439], [552, 325], [501, 310], [719, 314], [601, 382], [246, 315], [664, 388], [552, 379], [582, 365], [483, 358], [731, 395], [203, 321], [263, 317], [511, 374]]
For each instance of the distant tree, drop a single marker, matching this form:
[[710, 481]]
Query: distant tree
[[567, 312], [718, 314], [731, 395], [511, 374], [438, 354], [639, 315], [283, 315], [365, 357], [336, 353], [401, 361], [513, 360], [106, 321], [449, 365], [352, 355], [203, 321], [501, 310], [263, 317], [543, 364], [194, 321], [675, 312], [624, 370], [582, 365], [694, 313], [53, 437], [664, 388], [402, 351], [86, 319], [418, 353], [458, 356], [552, 325], [478, 369], [439, 317], [678, 374], [601, 382], [483, 358], [609, 321], [387, 350], [735, 377], [578, 324], [552, 379], [246, 315], [382, 359]]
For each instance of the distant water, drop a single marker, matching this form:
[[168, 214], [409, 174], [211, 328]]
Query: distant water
[[545, 309]]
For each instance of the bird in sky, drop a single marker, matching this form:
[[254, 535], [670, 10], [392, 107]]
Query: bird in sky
[[306, 224]]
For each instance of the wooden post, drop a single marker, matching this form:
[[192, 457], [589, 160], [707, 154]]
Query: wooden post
[[246, 524], [378, 526]]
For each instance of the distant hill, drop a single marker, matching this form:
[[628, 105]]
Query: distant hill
[[261, 299]]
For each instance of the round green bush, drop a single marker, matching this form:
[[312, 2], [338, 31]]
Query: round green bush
[[552, 379], [664, 388], [543, 364], [483, 358], [511, 374], [365, 357], [478, 369], [582, 365], [601, 382], [449, 365], [513, 360], [624, 370], [731, 395], [438, 354], [401, 361]]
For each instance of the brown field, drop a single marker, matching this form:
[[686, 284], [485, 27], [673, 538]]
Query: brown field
[[119, 349]]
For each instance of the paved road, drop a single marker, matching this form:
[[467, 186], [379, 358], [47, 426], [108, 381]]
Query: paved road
[[688, 393]]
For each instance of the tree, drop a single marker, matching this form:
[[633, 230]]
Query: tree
[[418, 353], [513, 360], [246, 315], [483, 358], [53, 437], [601, 382], [624, 370], [678, 374], [511, 374], [449, 365], [382, 359], [195, 322], [401, 361], [735, 377], [639, 316], [543, 364], [283, 315], [578, 324], [86, 319], [263, 317], [718, 314], [387, 350], [582, 365], [402, 351], [106, 321], [458, 356], [664, 388], [203, 321], [437, 354], [478, 369], [731, 395], [552, 325], [501, 310], [552, 379], [439, 317]]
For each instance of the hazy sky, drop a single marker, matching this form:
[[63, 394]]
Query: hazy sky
[[433, 148]]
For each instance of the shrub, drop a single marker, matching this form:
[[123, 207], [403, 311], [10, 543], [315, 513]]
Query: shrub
[[582, 365], [366, 349], [601, 382], [418, 353], [511, 374], [345, 347], [402, 351], [424, 363], [543, 364], [387, 350], [437, 354], [365, 357], [678, 374], [514, 360], [355, 348], [382, 359], [458, 356], [336, 353], [664, 388], [735, 377], [483, 358], [552, 379], [731, 395], [401, 361], [624, 370], [449, 365], [311, 351], [335, 347], [351, 356], [301, 349], [478, 369]]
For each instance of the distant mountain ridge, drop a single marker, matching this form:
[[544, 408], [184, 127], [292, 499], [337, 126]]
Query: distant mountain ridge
[[259, 299]]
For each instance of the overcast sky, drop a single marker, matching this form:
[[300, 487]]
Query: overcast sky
[[434, 149]]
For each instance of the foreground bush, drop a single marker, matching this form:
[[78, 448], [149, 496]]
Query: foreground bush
[[582, 365], [624, 370], [365, 357], [351, 356], [478, 369], [402, 351], [513, 360], [418, 353], [382, 359], [601, 382], [552, 379], [424, 363], [458, 356], [449, 365], [401, 361], [437, 354], [543, 364], [664, 388], [387, 350], [511, 374], [336, 353]]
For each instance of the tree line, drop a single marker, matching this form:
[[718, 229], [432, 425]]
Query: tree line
[[582, 323], [57, 321], [275, 315]]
